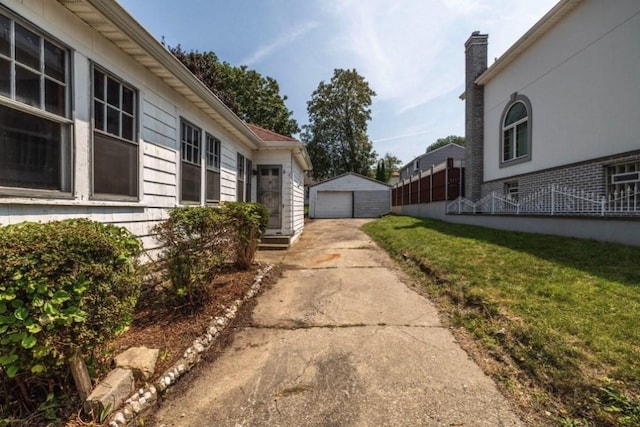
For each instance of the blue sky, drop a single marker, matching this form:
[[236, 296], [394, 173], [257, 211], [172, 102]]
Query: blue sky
[[410, 51]]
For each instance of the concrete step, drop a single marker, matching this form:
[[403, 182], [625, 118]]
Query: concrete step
[[280, 240], [273, 246]]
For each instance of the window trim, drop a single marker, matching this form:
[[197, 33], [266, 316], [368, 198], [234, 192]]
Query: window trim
[[515, 99], [241, 177], [65, 121], [135, 141], [201, 159], [214, 168]]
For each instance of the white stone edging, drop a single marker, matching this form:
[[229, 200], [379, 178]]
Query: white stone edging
[[145, 397]]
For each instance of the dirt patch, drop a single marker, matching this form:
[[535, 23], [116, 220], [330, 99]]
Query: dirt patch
[[326, 258]]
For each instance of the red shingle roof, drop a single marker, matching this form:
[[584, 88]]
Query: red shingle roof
[[266, 135]]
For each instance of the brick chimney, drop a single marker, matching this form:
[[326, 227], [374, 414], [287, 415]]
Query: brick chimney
[[475, 64]]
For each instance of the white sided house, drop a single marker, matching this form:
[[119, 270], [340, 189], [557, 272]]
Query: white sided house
[[553, 125], [431, 159], [99, 120], [349, 196], [281, 164]]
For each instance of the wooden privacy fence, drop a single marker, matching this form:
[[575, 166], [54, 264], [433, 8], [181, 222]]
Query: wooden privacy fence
[[441, 182]]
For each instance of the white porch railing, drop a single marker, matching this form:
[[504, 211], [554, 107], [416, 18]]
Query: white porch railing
[[553, 200]]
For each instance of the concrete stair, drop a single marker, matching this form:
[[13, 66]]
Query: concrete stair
[[274, 243]]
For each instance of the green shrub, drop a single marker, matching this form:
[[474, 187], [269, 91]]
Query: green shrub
[[250, 220], [195, 241], [66, 288]]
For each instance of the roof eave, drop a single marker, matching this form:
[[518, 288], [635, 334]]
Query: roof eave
[[548, 21], [136, 33]]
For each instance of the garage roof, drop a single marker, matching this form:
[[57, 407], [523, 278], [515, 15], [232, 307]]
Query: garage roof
[[351, 174]]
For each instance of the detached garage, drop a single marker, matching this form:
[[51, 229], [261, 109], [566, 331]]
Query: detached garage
[[349, 196]]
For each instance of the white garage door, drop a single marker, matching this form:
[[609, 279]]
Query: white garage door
[[334, 204]]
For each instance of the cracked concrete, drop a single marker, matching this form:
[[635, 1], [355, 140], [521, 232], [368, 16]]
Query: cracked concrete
[[339, 340]]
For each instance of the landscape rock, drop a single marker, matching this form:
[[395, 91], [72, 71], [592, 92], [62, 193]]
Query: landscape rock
[[141, 360], [110, 393]]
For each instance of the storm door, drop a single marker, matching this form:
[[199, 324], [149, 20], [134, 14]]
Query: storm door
[[270, 193]]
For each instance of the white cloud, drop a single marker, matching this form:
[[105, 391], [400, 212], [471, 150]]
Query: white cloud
[[279, 43]]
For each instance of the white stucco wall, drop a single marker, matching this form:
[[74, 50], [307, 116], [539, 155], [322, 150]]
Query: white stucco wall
[[582, 81]]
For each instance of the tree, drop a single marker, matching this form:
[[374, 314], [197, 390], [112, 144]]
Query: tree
[[336, 136], [391, 163], [381, 175], [252, 97], [441, 142]]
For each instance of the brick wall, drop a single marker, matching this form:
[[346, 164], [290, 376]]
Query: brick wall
[[589, 176]]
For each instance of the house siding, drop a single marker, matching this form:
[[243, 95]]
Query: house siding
[[297, 192], [159, 111], [432, 158]]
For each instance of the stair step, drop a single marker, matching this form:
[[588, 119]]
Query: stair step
[[282, 240], [273, 246]]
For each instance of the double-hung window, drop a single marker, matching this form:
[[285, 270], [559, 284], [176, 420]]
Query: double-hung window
[[516, 131], [213, 169], [241, 178], [35, 128], [115, 140], [191, 168]]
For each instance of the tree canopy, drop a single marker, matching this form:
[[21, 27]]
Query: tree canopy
[[251, 96], [386, 166], [336, 136], [441, 142]]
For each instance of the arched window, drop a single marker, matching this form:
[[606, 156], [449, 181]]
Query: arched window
[[516, 131]]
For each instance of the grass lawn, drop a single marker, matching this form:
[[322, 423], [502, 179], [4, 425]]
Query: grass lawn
[[563, 314]]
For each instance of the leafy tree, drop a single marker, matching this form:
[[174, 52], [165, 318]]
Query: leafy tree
[[391, 163], [252, 97], [441, 142], [336, 136]]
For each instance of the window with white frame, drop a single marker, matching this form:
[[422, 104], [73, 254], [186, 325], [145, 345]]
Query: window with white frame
[[213, 169], [511, 190], [240, 178], [35, 128], [516, 131], [115, 140], [623, 181], [191, 162]]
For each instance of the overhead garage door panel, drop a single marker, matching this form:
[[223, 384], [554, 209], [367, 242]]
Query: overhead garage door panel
[[334, 204], [371, 204]]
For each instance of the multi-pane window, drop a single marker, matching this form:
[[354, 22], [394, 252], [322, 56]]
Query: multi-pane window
[[213, 169], [191, 162], [241, 177], [35, 147], [247, 178], [516, 131], [114, 137]]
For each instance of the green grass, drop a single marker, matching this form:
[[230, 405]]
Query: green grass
[[564, 312]]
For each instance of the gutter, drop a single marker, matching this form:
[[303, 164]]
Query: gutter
[[138, 34]]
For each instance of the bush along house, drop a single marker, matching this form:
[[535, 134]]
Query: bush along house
[[552, 125], [99, 120]]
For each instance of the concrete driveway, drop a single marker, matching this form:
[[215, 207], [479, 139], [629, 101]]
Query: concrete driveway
[[340, 340]]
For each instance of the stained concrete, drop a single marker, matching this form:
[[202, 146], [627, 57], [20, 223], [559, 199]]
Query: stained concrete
[[340, 340]]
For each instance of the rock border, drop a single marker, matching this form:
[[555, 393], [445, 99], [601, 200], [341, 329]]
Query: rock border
[[147, 396]]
